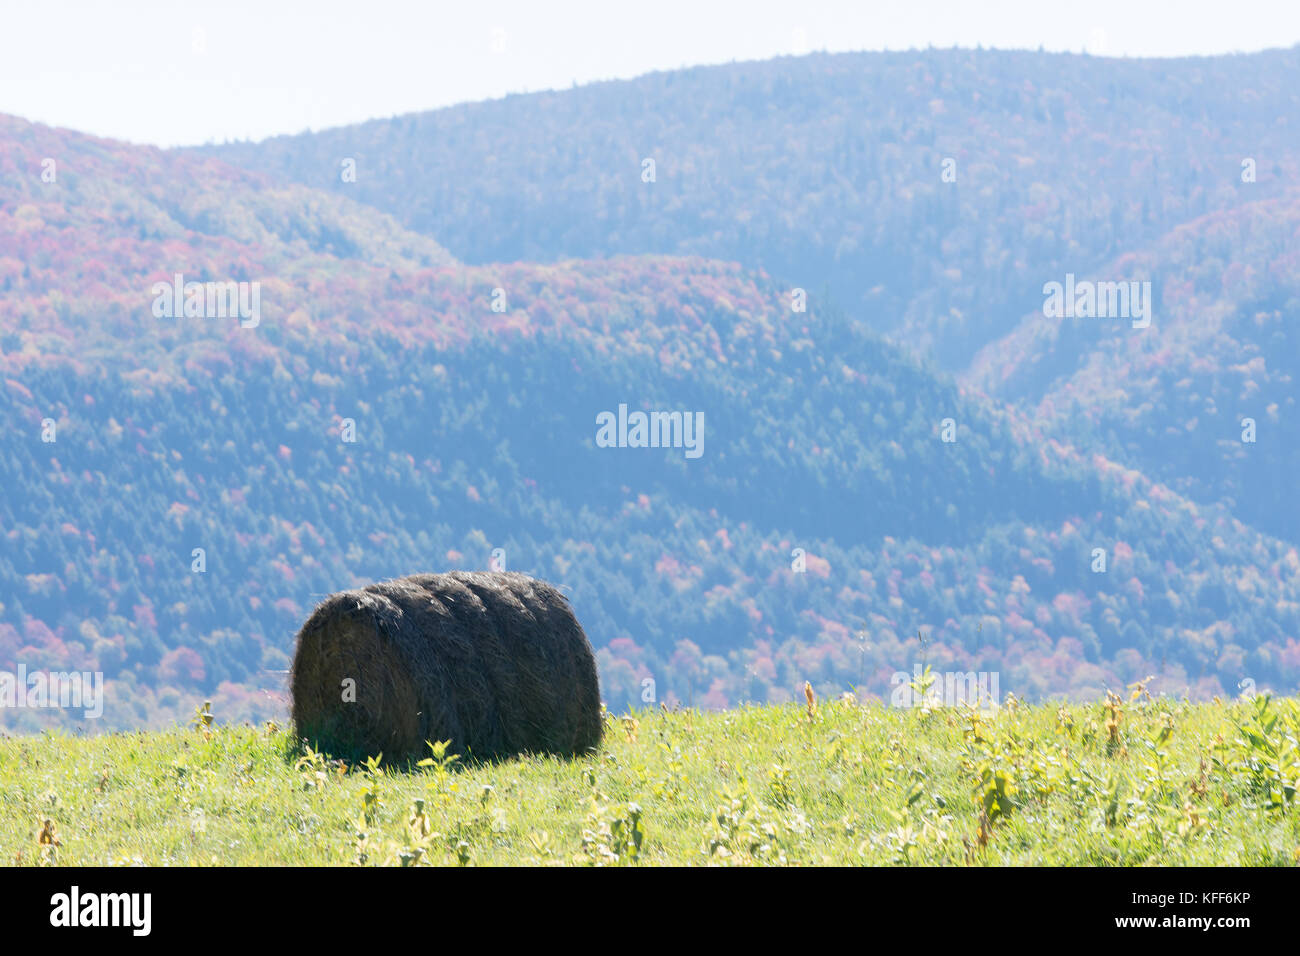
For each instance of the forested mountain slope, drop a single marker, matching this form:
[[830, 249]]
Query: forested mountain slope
[[395, 410], [1207, 397], [829, 171]]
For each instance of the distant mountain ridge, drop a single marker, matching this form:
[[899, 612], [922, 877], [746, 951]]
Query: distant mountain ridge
[[828, 170]]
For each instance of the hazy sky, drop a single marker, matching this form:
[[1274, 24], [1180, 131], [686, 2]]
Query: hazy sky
[[190, 72]]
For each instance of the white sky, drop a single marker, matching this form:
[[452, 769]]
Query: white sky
[[193, 71]]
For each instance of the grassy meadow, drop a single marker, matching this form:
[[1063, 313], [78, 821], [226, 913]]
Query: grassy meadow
[[1128, 782]]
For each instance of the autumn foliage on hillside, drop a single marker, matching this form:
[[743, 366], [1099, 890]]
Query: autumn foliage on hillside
[[827, 533]]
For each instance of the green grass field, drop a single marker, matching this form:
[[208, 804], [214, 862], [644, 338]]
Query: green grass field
[[1133, 782]]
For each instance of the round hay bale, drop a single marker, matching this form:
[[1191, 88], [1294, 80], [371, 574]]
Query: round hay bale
[[495, 662]]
